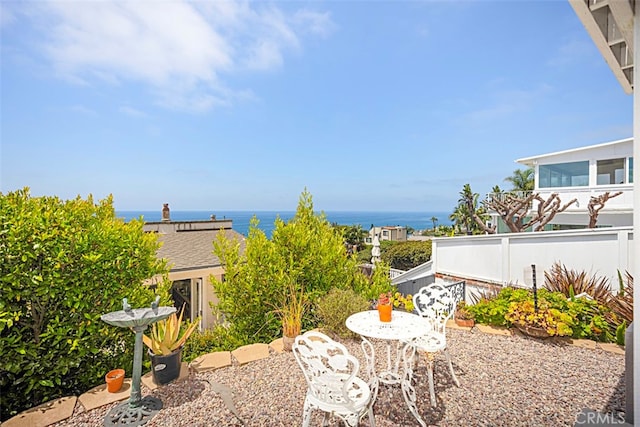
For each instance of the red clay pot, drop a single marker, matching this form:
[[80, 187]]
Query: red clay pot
[[114, 380]]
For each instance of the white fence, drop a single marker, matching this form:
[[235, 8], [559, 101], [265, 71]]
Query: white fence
[[502, 258]]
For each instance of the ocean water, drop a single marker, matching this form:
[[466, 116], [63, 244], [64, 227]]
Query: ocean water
[[415, 220]]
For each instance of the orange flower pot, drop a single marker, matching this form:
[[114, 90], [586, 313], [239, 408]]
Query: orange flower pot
[[385, 312], [114, 380]]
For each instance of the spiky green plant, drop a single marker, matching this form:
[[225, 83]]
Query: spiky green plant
[[165, 334], [621, 305], [561, 279]]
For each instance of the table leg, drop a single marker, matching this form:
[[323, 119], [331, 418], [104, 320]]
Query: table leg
[[405, 353]]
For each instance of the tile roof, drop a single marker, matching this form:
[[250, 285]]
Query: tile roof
[[189, 250]]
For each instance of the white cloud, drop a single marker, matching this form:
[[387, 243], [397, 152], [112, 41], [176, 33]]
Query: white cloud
[[314, 22], [181, 50]]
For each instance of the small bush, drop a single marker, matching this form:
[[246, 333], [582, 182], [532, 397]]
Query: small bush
[[338, 304], [492, 311], [552, 320], [218, 338], [578, 317]]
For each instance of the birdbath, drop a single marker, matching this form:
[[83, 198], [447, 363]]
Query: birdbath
[[138, 410]]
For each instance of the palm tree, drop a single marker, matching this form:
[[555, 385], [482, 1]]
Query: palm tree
[[459, 217], [470, 200], [434, 220], [468, 212], [522, 179]]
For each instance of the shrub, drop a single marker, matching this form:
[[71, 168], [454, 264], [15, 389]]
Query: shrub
[[62, 265], [577, 317], [492, 311], [612, 310], [552, 320], [621, 304], [571, 282], [334, 308], [218, 338], [306, 253], [407, 255]]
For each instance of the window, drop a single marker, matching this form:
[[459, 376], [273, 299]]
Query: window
[[181, 294], [630, 170], [574, 174], [610, 171]]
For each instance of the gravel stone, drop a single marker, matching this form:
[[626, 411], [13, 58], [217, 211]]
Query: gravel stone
[[504, 381]]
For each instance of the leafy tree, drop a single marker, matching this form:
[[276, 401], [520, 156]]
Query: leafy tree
[[459, 217], [306, 252], [353, 235], [522, 179], [407, 255], [62, 265]]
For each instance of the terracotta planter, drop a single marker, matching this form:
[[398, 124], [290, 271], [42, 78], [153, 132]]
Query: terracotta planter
[[114, 380], [532, 331], [385, 312], [465, 322]]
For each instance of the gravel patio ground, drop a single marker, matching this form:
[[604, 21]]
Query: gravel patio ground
[[504, 381]]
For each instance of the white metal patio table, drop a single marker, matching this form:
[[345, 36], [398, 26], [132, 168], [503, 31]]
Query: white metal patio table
[[402, 328]]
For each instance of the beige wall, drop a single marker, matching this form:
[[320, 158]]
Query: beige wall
[[208, 295]]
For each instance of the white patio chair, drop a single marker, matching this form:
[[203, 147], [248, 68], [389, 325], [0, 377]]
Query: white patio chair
[[331, 372], [436, 303]]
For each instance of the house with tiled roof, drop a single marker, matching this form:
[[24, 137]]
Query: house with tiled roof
[[188, 248]]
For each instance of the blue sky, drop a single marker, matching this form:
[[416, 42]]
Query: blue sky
[[370, 105]]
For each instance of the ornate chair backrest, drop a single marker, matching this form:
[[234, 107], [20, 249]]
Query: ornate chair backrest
[[436, 303], [328, 368]]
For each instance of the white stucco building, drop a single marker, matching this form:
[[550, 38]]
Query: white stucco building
[[582, 173]]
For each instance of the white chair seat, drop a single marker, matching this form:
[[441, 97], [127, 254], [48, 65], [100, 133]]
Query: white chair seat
[[431, 342], [358, 392]]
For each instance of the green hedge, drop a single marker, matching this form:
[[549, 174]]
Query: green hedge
[[406, 255], [62, 265]]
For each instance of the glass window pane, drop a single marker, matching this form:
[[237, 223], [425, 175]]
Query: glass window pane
[[630, 169], [574, 174], [610, 171]]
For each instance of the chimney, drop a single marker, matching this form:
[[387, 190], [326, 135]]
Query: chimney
[[165, 212]]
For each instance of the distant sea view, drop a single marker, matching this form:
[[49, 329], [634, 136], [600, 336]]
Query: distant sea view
[[415, 220]]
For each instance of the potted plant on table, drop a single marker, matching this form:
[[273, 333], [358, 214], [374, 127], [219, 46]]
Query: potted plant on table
[[165, 347], [463, 316], [402, 302]]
